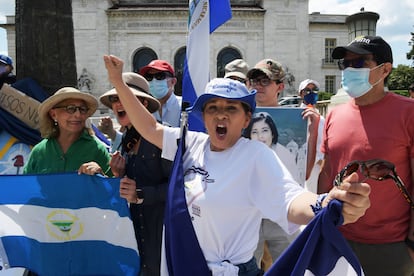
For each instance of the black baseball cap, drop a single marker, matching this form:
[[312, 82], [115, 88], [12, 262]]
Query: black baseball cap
[[365, 45]]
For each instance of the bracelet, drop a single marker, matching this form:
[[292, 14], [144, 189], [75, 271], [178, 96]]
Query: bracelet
[[318, 204], [409, 243], [140, 196]]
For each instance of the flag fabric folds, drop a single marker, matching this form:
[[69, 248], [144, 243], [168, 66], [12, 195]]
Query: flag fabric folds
[[320, 249], [204, 18], [183, 253], [101, 137], [66, 224]]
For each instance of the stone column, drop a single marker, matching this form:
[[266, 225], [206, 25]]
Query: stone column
[[45, 48]]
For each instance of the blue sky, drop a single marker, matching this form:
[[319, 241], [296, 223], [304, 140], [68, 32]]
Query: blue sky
[[395, 23]]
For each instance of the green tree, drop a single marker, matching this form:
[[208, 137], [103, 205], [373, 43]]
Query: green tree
[[410, 54], [401, 77]]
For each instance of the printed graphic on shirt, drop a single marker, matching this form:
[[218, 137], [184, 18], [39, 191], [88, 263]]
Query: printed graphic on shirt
[[196, 182], [196, 210]]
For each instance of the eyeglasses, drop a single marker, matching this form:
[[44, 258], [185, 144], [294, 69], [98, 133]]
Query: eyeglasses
[[260, 81], [113, 99], [354, 63], [376, 169], [71, 109], [157, 76], [308, 90]]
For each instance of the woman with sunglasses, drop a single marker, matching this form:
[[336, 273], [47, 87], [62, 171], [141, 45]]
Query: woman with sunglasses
[[144, 174], [68, 144], [231, 182]]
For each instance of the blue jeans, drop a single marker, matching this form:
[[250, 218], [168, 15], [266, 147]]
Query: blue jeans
[[249, 269]]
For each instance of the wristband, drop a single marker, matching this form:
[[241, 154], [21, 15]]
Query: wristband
[[140, 196], [318, 204], [409, 243]]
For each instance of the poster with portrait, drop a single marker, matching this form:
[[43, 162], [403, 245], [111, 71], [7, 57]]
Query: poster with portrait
[[285, 131]]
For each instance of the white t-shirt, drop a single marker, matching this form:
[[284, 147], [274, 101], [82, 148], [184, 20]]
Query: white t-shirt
[[229, 192]]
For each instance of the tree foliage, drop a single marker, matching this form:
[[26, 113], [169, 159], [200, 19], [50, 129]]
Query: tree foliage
[[322, 96], [410, 54], [401, 77]]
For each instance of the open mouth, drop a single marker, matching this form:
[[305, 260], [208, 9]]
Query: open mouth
[[221, 130], [121, 113]]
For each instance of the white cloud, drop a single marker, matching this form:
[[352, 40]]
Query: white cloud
[[394, 25]]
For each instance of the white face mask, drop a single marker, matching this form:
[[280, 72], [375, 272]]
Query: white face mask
[[158, 88], [355, 81]]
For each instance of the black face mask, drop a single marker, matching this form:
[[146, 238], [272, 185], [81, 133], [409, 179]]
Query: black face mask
[[130, 139]]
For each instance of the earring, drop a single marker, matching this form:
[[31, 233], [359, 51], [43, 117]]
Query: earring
[[56, 122]]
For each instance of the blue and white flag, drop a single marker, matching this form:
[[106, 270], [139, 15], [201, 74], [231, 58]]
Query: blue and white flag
[[320, 249], [66, 224], [204, 18], [101, 136]]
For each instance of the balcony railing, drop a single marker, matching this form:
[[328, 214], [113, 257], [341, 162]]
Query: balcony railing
[[322, 106]]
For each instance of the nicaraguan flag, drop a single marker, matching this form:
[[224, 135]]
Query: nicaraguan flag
[[66, 224], [101, 136], [320, 249], [204, 18], [182, 250]]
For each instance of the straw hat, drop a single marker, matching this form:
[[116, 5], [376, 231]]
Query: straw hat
[[139, 87], [65, 93]]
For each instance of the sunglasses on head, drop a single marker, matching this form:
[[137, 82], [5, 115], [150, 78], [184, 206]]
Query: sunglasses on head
[[376, 169], [354, 63], [71, 109], [157, 76]]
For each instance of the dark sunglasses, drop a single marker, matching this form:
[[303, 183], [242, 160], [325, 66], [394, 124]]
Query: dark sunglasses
[[71, 109], [157, 76], [113, 99], [354, 63], [376, 169]]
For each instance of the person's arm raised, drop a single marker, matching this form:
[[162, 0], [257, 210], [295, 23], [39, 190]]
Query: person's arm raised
[[141, 119]]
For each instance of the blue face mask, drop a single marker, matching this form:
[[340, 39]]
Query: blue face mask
[[158, 88], [355, 81], [311, 98]]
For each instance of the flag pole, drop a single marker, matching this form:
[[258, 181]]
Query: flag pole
[[184, 118]]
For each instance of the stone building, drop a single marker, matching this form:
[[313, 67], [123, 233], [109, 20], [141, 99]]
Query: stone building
[[141, 30]]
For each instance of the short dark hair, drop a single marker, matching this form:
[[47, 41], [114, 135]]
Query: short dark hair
[[268, 120]]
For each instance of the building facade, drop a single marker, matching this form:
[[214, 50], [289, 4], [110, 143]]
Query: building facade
[[141, 30]]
